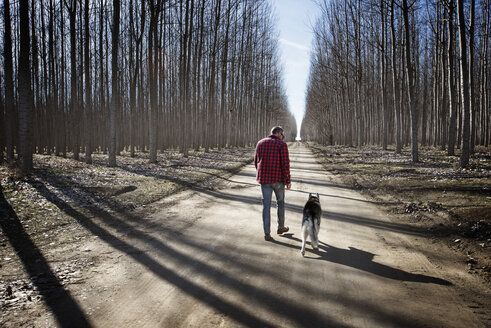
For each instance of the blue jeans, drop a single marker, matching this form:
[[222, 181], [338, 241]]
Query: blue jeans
[[267, 191]]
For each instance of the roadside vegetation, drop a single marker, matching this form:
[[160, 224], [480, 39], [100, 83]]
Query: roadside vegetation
[[453, 204]]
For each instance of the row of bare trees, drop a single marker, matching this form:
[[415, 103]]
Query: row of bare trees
[[399, 72], [112, 75]]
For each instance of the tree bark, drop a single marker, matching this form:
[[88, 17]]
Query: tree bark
[[72, 10], [472, 106], [153, 61], [2, 126], [62, 116], [114, 82], [25, 91], [52, 98], [9, 84], [211, 110], [451, 84], [464, 87], [88, 89], [485, 115], [382, 77], [397, 115], [410, 84]]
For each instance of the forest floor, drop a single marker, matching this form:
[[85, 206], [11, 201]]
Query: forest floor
[[48, 241], [41, 215], [452, 204]]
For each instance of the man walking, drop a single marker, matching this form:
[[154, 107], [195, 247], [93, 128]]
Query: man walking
[[273, 173]]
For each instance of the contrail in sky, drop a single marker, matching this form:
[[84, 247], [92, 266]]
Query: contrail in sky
[[295, 45]]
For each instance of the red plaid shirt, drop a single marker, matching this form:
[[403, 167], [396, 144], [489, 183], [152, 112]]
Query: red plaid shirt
[[272, 161]]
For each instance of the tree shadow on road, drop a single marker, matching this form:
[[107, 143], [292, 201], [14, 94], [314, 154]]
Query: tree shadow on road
[[64, 308], [376, 224], [277, 305], [362, 260]]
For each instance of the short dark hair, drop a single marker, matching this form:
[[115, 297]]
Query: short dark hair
[[276, 129]]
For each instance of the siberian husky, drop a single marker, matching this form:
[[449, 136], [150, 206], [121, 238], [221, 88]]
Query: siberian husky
[[311, 221]]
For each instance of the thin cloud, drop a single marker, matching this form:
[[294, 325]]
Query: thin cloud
[[295, 45]]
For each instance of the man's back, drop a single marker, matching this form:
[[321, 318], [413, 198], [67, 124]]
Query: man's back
[[272, 161]]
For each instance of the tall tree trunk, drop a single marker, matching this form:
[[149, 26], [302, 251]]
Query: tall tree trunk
[[199, 108], [410, 84], [25, 91], [88, 88], [188, 87], [382, 77], [44, 139], [133, 73], [184, 64], [426, 85], [211, 110], [62, 116], [472, 106], [451, 83], [2, 126], [152, 67], [444, 108], [464, 87], [53, 88], [9, 84], [73, 115], [114, 83], [102, 85], [436, 78], [224, 116], [36, 115], [349, 107], [359, 79], [397, 115], [485, 130]]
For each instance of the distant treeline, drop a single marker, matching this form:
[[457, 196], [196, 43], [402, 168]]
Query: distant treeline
[[109, 75], [401, 72]]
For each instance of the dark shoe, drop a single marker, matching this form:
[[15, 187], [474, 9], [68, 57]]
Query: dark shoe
[[282, 230], [267, 237]]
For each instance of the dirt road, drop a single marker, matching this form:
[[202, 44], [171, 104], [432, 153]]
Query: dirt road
[[200, 260]]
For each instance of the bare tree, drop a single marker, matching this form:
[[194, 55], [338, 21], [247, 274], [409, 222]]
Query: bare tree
[[25, 91], [114, 82], [472, 106], [8, 80], [2, 127], [72, 13], [88, 89], [484, 118], [410, 83], [383, 69], [152, 68], [451, 84], [464, 86]]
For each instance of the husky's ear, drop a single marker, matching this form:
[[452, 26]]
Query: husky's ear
[[318, 197], [310, 194]]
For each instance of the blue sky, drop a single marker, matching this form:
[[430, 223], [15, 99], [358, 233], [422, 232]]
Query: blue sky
[[295, 18]]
